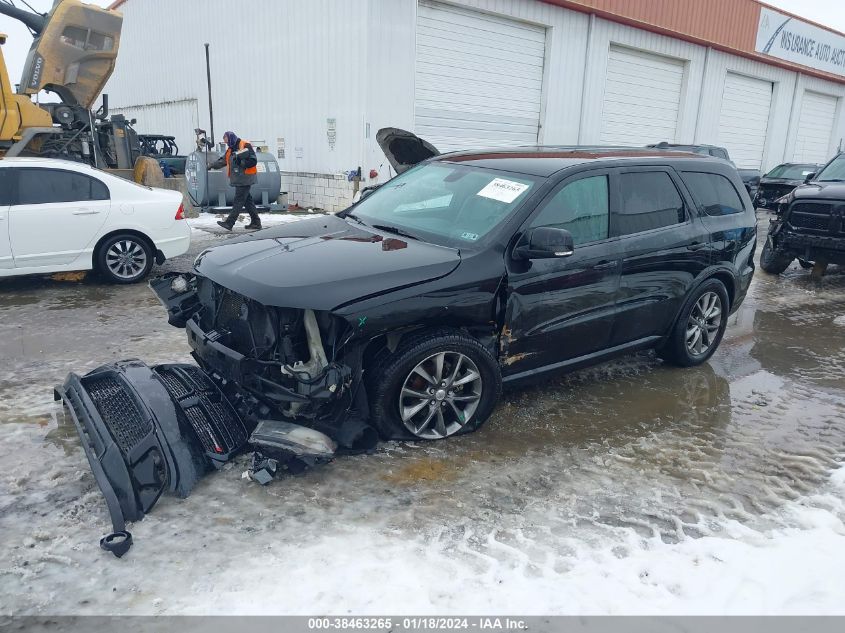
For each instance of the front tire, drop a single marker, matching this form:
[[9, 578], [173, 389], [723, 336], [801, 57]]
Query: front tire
[[124, 259], [437, 384], [700, 326], [773, 261]]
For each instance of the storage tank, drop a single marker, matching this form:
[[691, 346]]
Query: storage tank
[[211, 189]]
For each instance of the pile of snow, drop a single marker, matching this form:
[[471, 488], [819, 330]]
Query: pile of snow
[[207, 221]]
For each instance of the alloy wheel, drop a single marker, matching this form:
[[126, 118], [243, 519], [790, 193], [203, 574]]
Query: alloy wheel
[[440, 395], [704, 322], [126, 259]]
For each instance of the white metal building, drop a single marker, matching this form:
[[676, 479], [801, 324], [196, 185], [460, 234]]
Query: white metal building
[[315, 79]]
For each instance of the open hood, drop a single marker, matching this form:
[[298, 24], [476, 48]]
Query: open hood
[[404, 149]]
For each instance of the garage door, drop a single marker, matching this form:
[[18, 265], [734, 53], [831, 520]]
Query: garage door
[[173, 118], [744, 119], [479, 78], [642, 96], [815, 128]]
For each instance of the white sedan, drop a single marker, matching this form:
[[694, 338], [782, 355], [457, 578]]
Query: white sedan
[[60, 216]]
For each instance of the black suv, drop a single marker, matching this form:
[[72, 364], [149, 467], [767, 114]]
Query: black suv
[[471, 269], [810, 222], [403, 315]]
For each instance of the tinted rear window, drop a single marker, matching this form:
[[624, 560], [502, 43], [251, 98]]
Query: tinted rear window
[[650, 200], [45, 186], [714, 193], [5, 187]]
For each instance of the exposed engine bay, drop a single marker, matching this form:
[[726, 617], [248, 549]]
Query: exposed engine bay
[[284, 363]]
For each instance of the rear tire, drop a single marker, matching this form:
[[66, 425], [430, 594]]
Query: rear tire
[[700, 326], [124, 259], [773, 261], [437, 384]]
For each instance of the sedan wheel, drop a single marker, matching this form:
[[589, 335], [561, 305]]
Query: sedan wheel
[[440, 395], [125, 259], [705, 321]]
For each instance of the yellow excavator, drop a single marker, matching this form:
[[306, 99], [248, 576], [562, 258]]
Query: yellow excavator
[[72, 55]]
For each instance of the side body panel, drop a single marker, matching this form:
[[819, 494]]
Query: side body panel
[[658, 269], [561, 308]]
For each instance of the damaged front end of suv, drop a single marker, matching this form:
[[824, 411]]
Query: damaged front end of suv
[[810, 223], [286, 343], [293, 363]]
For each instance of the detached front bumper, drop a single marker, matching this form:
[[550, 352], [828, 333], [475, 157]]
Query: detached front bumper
[[147, 431]]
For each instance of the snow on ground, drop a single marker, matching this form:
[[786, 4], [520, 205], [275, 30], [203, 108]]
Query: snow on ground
[[627, 488], [207, 221], [797, 570]]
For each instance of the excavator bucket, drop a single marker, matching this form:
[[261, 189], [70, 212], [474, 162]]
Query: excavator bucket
[[73, 53]]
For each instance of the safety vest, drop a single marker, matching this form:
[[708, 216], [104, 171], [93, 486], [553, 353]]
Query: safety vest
[[247, 170]]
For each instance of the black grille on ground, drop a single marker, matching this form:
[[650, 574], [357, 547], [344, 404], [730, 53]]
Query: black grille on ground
[[812, 216], [217, 425], [119, 411], [173, 384]]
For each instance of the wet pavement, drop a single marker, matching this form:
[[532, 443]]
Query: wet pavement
[[607, 463]]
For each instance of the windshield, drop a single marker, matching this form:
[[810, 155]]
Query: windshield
[[445, 202], [834, 171], [792, 172]]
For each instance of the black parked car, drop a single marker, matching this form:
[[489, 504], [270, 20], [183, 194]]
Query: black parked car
[[471, 269], [780, 181], [810, 222]]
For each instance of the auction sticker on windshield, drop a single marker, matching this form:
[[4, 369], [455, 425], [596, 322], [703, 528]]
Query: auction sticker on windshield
[[503, 190]]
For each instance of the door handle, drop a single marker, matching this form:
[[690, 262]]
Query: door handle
[[604, 264], [695, 246], [85, 212]]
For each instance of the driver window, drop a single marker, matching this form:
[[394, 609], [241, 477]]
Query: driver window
[[580, 207]]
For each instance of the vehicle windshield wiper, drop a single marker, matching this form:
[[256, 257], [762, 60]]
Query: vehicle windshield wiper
[[830, 180], [396, 230], [355, 217]]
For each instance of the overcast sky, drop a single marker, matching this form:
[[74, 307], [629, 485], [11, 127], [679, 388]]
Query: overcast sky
[[828, 12]]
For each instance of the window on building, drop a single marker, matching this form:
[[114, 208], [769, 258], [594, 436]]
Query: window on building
[[650, 200], [714, 193], [45, 186], [580, 207]]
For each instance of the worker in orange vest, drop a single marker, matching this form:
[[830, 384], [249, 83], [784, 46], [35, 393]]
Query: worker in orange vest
[[240, 161]]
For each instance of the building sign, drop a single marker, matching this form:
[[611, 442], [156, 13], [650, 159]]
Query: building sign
[[793, 40], [331, 132]]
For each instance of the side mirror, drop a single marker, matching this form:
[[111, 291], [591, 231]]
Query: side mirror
[[545, 242], [809, 177]]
